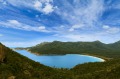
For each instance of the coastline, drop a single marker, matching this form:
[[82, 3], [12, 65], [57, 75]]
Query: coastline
[[98, 56], [102, 58]]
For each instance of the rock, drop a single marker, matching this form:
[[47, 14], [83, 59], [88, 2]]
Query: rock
[[11, 77], [2, 53], [26, 72]]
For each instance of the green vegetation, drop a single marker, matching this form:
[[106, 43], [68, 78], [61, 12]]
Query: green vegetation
[[16, 66], [19, 48], [91, 48], [19, 67]]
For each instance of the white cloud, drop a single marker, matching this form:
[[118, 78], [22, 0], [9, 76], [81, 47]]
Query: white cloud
[[81, 13], [111, 30], [18, 25], [73, 36], [14, 22], [90, 37], [21, 44], [106, 27], [78, 15], [48, 8], [56, 35], [44, 6], [38, 5], [81, 37], [42, 29], [27, 43], [76, 27]]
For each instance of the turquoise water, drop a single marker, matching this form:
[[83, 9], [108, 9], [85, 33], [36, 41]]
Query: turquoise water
[[60, 61]]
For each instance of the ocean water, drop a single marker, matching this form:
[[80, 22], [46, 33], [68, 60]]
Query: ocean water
[[60, 61]]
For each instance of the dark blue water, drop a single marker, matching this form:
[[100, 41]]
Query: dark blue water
[[60, 61]]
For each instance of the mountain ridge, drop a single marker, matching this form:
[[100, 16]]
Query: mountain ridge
[[95, 48]]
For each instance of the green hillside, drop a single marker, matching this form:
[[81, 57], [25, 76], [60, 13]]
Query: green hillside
[[16, 66], [96, 48]]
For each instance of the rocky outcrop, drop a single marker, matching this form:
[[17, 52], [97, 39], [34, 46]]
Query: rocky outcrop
[[11, 77], [2, 53]]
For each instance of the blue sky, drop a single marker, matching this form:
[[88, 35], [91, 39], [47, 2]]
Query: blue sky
[[29, 22]]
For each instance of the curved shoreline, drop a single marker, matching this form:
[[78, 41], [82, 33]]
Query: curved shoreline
[[98, 56], [79, 57], [102, 58]]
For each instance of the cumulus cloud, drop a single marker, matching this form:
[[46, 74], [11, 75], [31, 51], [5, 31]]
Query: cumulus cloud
[[48, 8], [44, 6], [38, 5], [18, 25]]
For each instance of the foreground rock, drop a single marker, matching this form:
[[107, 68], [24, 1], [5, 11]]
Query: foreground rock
[[2, 53]]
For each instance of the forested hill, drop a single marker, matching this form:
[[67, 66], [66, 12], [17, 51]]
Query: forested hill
[[16, 66], [91, 48]]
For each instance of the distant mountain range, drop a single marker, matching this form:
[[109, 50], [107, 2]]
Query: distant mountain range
[[91, 48]]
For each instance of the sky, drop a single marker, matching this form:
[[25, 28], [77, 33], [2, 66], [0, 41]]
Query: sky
[[29, 22]]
